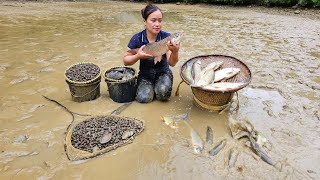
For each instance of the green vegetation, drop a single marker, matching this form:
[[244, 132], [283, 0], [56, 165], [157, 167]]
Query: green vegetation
[[281, 3]]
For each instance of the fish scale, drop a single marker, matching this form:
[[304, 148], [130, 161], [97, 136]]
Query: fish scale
[[160, 47]]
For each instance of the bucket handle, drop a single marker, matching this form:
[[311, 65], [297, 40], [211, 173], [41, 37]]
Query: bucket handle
[[85, 93]]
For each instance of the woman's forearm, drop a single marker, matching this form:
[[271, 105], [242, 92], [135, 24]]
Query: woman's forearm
[[130, 59], [173, 59]]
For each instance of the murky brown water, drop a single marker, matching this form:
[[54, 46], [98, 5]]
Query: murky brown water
[[40, 41]]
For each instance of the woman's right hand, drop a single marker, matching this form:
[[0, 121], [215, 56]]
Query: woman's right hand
[[142, 55]]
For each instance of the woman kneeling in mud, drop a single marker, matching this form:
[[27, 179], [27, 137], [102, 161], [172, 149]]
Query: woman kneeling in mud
[[154, 77]]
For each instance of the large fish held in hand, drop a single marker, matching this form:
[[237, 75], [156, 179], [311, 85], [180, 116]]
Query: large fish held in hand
[[157, 49]]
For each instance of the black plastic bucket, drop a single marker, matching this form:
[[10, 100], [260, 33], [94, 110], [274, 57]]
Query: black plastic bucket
[[122, 91]]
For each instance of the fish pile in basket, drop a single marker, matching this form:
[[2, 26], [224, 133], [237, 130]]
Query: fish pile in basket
[[211, 77]]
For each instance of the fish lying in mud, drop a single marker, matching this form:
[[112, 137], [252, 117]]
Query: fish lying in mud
[[209, 137], [217, 148], [223, 86], [169, 121], [261, 153], [157, 49], [196, 140], [233, 157], [172, 120], [225, 73], [244, 128], [121, 108]]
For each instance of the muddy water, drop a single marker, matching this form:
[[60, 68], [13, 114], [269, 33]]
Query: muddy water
[[40, 41]]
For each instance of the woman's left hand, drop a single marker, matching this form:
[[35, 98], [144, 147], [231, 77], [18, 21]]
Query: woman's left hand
[[173, 47]]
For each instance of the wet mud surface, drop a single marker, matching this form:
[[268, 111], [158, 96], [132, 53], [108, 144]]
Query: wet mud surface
[[39, 41]]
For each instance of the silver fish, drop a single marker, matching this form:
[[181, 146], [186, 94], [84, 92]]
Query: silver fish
[[214, 65], [225, 73], [127, 134], [187, 72], [121, 108], [206, 77], [209, 137], [217, 148], [233, 157], [105, 138], [196, 140], [260, 151], [223, 86], [172, 120], [196, 71]]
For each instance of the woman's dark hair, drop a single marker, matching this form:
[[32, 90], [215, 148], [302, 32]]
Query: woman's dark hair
[[150, 8]]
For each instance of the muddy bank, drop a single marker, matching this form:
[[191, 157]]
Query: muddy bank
[[41, 40]]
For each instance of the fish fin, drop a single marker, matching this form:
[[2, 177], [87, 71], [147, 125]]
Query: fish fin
[[157, 59]]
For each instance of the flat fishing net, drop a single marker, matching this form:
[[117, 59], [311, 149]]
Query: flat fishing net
[[98, 135]]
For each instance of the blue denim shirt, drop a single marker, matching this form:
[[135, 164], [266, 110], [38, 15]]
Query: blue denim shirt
[[147, 69]]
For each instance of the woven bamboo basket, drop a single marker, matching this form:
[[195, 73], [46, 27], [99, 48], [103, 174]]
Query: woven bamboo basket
[[217, 98], [122, 91], [84, 91]]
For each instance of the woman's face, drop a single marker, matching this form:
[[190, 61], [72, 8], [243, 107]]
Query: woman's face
[[153, 22]]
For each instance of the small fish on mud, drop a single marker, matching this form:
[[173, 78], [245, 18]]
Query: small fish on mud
[[209, 137], [196, 140], [121, 108], [182, 117], [233, 157], [187, 72], [157, 49], [261, 153], [217, 148], [261, 139], [223, 86], [106, 138], [225, 73], [170, 121]]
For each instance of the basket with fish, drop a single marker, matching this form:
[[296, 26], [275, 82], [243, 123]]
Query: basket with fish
[[84, 81], [214, 79], [122, 83]]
